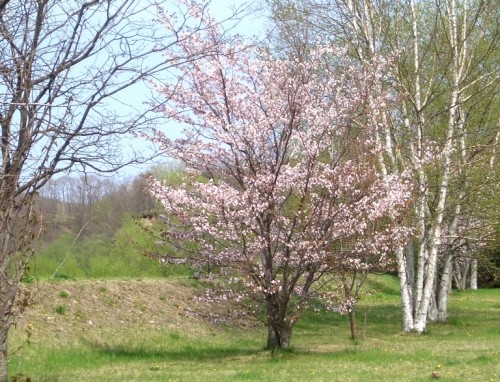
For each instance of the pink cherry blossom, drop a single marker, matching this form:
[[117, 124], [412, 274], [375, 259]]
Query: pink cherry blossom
[[282, 184]]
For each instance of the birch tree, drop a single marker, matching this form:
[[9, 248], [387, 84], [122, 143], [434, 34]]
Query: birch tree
[[446, 75], [67, 75]]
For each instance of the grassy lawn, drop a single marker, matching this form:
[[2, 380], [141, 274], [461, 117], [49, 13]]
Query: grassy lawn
[[105, 331]]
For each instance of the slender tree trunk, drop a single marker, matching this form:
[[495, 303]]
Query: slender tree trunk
[[4, 332], [444, 289], [3, 355], [417, 159], [494, 153], [352, 323], [457, 274], [410, 268], [461, 273], [473, 274], [405, 286], [432, 311], [447, 274], [421, 313], [421, 278], [7, 294]]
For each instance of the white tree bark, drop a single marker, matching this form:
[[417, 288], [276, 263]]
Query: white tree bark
[[447, 271], [494, 153], [473, 274], [444, 289], [406, 290]]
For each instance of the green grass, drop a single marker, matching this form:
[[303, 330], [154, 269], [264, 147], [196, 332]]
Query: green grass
[[465, 349]]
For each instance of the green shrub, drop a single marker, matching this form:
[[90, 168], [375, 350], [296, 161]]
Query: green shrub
[[63, 294], [61, 309]]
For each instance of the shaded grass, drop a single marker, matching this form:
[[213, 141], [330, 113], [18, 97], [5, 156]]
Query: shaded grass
[[467, 348]]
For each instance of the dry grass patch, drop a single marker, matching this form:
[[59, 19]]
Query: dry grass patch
[[93, 310]]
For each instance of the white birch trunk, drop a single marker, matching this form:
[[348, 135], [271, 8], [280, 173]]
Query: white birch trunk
[[427, 289], [444, 289], [459, 49], [405, 286], [417, 159], [494, 153], [447, 273], [473, 274]]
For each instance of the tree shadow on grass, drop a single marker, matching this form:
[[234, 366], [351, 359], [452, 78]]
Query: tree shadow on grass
[[375, 314], [184, 352], [201, 353]]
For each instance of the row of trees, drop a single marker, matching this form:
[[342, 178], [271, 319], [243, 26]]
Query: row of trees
[[444, 129], [91, 205], [97, 227]]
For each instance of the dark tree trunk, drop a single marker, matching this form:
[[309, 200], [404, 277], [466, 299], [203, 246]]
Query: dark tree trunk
[[3, 354], [352, 323], [279, 337], [7, 293], [278, 329]]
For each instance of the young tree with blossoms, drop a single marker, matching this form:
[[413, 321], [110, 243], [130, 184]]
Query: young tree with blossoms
[[354, 260], [280, 172]]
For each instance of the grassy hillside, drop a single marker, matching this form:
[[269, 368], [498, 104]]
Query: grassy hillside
[[100, 256], [151, 330]]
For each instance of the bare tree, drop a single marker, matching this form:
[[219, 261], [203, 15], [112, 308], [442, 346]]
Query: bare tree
[[69, 74]]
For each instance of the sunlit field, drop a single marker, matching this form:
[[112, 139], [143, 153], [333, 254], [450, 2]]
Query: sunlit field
[[145, 330]]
